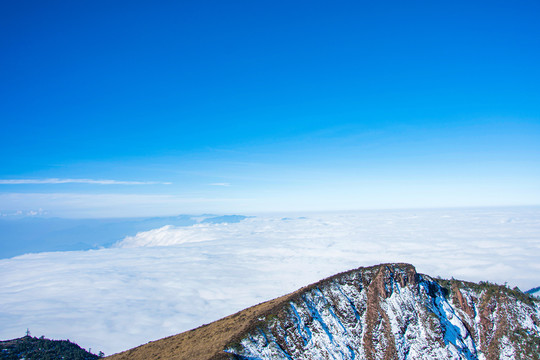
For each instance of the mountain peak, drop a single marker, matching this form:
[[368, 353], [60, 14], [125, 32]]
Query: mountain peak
[[387, 311]]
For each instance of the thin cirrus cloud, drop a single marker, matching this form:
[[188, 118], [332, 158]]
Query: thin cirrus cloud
[[220, 184], [78, 181]]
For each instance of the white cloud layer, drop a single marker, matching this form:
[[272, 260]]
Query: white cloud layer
[[77, 181], [169, 280]]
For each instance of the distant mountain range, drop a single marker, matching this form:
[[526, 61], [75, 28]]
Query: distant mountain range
[[534, 291], [387, 311]]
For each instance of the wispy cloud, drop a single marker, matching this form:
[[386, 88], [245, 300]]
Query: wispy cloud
[[78, 181], [99, 204], [24, 213], [220, 184]]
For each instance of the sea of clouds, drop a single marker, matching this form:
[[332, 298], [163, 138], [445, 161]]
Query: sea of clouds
[[171, 279]]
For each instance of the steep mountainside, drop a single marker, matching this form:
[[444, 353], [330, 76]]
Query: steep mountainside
[[387, 311]]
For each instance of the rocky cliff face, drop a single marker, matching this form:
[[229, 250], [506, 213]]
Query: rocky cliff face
[[387, 311], [391, 312]]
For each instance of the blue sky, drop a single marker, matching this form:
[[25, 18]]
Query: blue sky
[[267, 106]]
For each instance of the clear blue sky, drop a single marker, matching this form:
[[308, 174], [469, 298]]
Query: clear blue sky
[[245, 106]]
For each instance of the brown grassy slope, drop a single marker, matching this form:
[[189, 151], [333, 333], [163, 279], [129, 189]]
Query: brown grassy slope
[[205, 342], [208, 341]]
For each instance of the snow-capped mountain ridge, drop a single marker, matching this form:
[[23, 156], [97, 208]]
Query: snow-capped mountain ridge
[[386, 311], [392, 312]]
